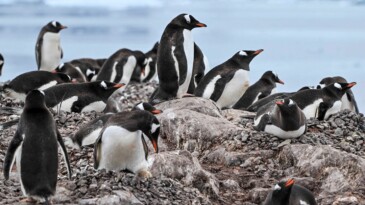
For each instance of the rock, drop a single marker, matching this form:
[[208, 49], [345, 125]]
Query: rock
[[127, 198]]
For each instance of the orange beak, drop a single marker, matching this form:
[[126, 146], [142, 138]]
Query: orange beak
[[350, 85], [156, 111], [54, 71], [200, 25], [289, 183], [74, 81], [258, 51], [155, 146], [119, 85], [279, 102], [281, 82], [63, 27]]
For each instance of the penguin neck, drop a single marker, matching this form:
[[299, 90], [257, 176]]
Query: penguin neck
[[331, 92]]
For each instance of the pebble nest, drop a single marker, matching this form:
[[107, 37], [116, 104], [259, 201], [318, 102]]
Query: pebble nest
[[343, 131]]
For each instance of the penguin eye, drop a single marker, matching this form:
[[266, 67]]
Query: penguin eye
[[242, 53], [187, 18], [338, 86]]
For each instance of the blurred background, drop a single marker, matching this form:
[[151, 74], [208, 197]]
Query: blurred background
[[304, 40]]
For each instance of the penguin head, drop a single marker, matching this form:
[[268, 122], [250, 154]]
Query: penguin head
[[286, 105], [141, 58], [152, 130], [1, 62], [244, 57], [147, 107], [54, 26], [272, 77], [105, 85], [64, 77], [338, 89], [329, 80], [35, 99], [70, 70], [281, 192], [186, 21]]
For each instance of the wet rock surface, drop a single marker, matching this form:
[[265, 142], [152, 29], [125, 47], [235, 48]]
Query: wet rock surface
[[209, 156]]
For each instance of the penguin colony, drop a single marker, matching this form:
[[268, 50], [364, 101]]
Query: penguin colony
[[119, 138]]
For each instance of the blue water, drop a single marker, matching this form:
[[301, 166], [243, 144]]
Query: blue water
[[304, 41]]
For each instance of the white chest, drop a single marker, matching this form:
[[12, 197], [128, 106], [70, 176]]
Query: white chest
[[51, 51], [312, 109], [128, 69], [346, 104], [234, 89], [334, 109], [66, 105], [97, 106]]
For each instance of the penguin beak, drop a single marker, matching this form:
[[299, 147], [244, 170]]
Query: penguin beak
[[289, 183], [279, 102], [74, 81], [350, 85], [119, 85], [281, 82], [63, 27], [156, 111], [200, 25], [142, 71], [155, 145], [258, 51], [54, 71]]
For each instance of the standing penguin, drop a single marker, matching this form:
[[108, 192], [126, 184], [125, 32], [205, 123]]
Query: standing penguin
[[35, 148], [88, 134], [81, 97], [19, 87], [282, 118], [48, 49], [121, 144], [348, 100], [288, 193], [227, 82], [175, 58], [321, 103], [149, 72], [1, 63], [120, 66], [200, 65], [265, 86]]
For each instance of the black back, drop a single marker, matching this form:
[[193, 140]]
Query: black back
[[169, 80], [198, 69], [29, 81], [226, 70], [89, 66], [87, 93], [1, 63], [264, 86]]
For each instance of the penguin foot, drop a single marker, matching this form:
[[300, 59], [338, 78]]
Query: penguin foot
[[28, 200], [144, 174]]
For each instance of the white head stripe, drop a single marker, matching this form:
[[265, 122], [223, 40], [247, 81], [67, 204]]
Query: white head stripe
[[242, 53], [154, 127], [103, 84], [187, 18], [291, 102], [322, 85], [89, 71], [54, 23], [338, 86], [277, 187], [61, 65], [140, 106]]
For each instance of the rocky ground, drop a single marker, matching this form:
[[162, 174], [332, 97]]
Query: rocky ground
[[210, 156]]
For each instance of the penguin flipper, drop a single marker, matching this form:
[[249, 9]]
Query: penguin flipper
[[9, 158], [265, 120], [220, 84], [321, 111], [97, 150], [64, 153], [38, 54], [145, 148], [351, 98]]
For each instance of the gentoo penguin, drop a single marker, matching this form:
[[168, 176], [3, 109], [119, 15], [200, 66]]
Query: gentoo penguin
[[120, 66], [48, 49], [227, 82], [263, 101], [288, 193], [88, 134], [265, 86], [282, 118], [75, 73], [34, 148], [321, 103], [80, 97], [348, 100], [175, 58], [26, 82], [89, 66], [1, 63], [121, 144], [200, 65], [149, 72]]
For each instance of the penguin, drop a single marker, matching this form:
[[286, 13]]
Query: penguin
[[121, 144], [88, 134], [282, 118], [74, 72], [288, 193], [348, 100], [34, 148], [175, 58], [1, 63], [265, 86], [19, 87], [81, 97], [149, 72], [201, 64], [120, 66], [321, 103], [89, 66], [227, 82], [48, 49]]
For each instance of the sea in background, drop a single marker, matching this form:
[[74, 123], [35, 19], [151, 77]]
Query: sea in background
[[304, 40]]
